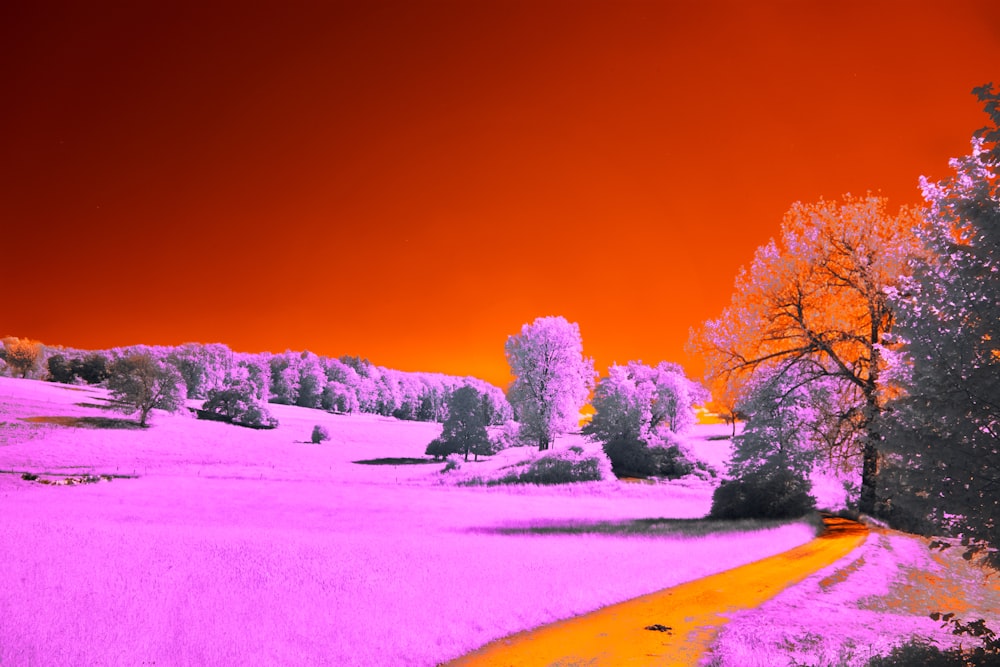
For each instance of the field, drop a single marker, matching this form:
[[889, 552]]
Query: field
[[222, 545]]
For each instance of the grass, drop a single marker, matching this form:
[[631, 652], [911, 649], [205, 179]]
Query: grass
[[240, 546]]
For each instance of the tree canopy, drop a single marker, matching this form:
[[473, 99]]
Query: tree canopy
[[815, 301], [552, 378]]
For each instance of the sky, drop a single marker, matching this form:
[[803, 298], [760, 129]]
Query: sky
[[411, 182]]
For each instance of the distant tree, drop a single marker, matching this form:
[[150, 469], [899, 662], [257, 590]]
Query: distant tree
[[203, 367], [945, 428], [465, 429], [284, 378], [23, 356], [818, 302], [552, 378], [640, 402], [139, 382], [311, 380], [240, 398], [92, 368], [60, 369]]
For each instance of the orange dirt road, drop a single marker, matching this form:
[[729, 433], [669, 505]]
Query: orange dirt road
[[686, 617]]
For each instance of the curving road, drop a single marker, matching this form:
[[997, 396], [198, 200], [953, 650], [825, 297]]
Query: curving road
[[670, 627]]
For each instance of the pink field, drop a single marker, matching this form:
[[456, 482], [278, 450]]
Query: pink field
[[236, 546]]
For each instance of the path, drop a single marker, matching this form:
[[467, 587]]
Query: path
[[684, 618]]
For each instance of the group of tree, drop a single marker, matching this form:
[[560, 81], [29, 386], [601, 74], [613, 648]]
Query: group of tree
[[868, 339], [238, 386], [638, 411], [637, 408]]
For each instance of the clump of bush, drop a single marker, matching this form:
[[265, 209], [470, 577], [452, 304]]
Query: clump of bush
[[238, 400], [452, 464], [319, 434], [919, 652], [634, 458], [763, 494], [554, 467]]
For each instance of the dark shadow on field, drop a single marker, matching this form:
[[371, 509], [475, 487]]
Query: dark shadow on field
[[86, 422], [637, 527], [99, 406], [404, 461]]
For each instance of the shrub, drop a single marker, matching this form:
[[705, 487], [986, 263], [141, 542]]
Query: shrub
[[764, 494], [238, 401], [60, 369], [634, 458], [452, 464], [440, 449], [319, 434], [92, 368], [556, 468]]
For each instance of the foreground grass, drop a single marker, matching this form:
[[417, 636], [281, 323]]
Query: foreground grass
[[862, 607], [253, 548]]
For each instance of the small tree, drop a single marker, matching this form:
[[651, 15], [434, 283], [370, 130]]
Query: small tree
[[465, 429], [23, 356], [139, 382], [92, 368], [319, 434], [60, 369], [552, 378], [239, 399]]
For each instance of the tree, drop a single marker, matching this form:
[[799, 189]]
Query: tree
[[140, 382], [465, 429], [642, 402], [92, 368], [239, 399], [816, 302], [60, 369], [945, 428], [552, 378], [781, 417], [23, 356]]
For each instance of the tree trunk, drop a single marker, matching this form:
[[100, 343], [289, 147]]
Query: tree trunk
[[870, 456]]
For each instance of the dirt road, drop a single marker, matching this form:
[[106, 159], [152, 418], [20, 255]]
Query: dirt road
[[674, 626]]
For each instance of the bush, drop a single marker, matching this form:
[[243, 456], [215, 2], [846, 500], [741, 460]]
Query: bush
[[440, 449], [319, 434], [763, 494], [238, 405], [60, 369], [634, 458], [556, 468], [452, 464]]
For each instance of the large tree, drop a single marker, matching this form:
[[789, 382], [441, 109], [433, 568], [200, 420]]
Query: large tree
[[947, 424], [23, 356], [139, 382], [552, 378], [815, 301]]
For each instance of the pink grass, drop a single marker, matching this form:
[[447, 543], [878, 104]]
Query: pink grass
[[251, 547]]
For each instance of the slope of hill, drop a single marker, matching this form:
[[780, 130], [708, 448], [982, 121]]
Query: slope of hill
[[231, 545]]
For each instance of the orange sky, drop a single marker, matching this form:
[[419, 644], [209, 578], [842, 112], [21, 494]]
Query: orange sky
[[412, 181]]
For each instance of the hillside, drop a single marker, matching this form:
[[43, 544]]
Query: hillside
[[233, 545]]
